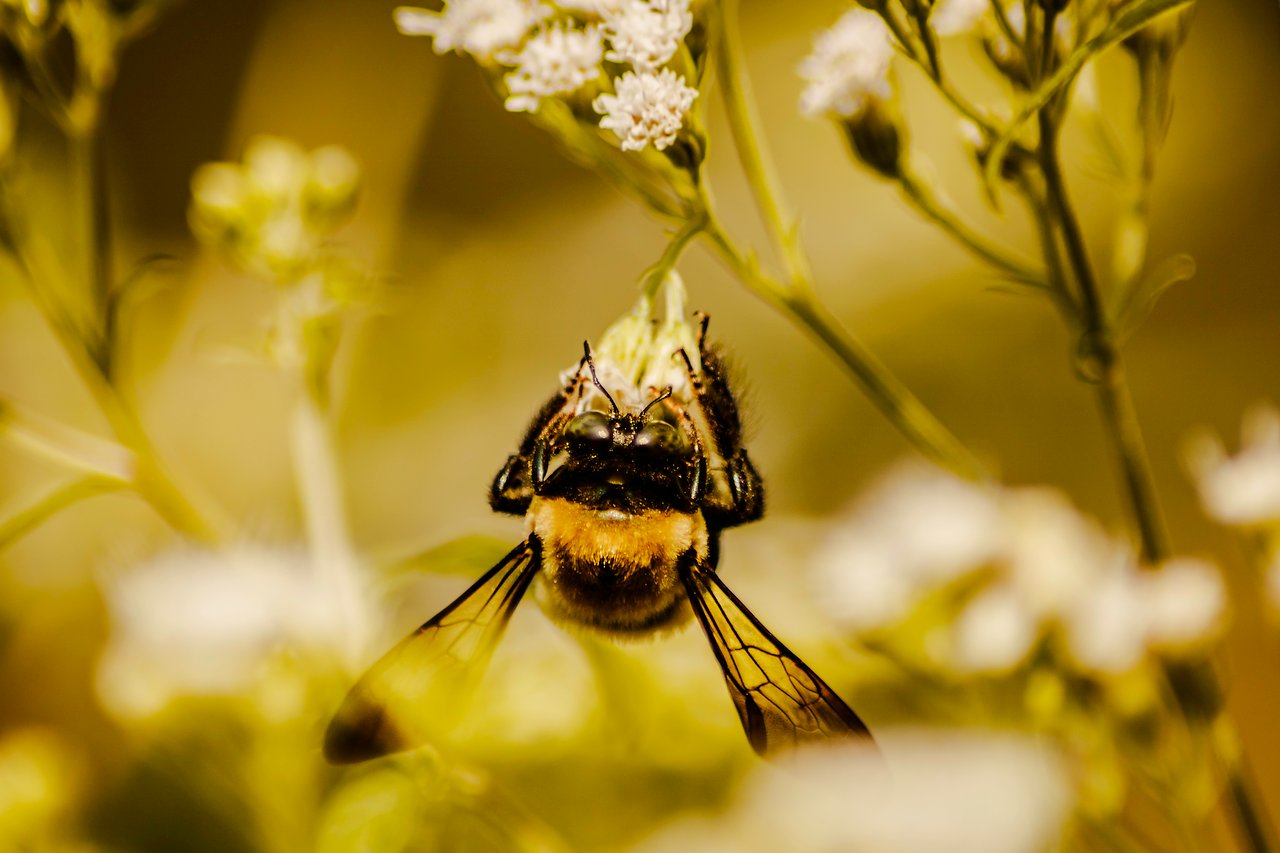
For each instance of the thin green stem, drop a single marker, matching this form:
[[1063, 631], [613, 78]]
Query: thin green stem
[[894, 400], [24, 521], [748, 138], [150, 477], [1055, 275], [1102, 357], [1245, 803], [1120, 419], [88, 158], [320, 492], [923, 199], [692, 227]]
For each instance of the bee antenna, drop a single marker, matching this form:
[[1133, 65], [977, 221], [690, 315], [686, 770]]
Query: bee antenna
[[655, 401], [595, 380]]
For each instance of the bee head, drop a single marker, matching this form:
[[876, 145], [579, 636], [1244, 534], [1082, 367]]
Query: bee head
[[653, 431]]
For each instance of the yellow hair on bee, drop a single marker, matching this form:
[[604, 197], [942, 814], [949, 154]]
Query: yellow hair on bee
[[610, 569]]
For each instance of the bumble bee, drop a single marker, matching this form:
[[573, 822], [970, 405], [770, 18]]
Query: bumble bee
[[624, 507]]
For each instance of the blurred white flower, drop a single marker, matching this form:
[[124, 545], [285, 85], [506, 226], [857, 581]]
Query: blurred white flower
[[646, 33], [916, 528], [646, 109], [955, 17], [994, 632], [555, 61], [273, 213], [848, 68], [203, 623], [1243, 489], [998, 571], [478, 27], [928, 791], [1186, 601], [1054, 555], [1107, 631]]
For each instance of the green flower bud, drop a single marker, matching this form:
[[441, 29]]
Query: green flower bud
[[875, 138]]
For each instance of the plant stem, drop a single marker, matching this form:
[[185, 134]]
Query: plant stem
[[933, 209], [89, 160], [1103, 361], [324, 517], [894, 400], [25, 520], [694, 226], [1121, 422], [1246, 804], [748, 138]]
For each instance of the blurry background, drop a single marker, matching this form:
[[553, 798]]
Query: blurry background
[[502, 256]]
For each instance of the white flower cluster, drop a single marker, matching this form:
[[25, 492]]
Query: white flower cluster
[[478, 27], [639, 356], [849, 67], [649, 101], [1007, 572], [554, 61], [646, 33], [1015, 797], [273, 212], [1244, 490], [1241, 490]]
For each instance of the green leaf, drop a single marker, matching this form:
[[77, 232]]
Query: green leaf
[[1142, 298], [467, 555], [1129, 20]]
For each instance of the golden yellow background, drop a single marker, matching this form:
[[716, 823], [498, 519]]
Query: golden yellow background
[[500, 257]]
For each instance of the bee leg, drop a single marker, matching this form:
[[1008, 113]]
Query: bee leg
[[513, 487], [746, 488]]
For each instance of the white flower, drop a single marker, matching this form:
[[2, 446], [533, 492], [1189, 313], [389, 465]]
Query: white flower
[[647, 109], [1244, 489], [955, 17], [1054, 555], [995, 572], [639, 356], [849, 66], [478, 27], [646, 33], [555, 61], [917, 528], [1186, 600], [994, 633], [204, 623], [963, 792], [1107, 630]]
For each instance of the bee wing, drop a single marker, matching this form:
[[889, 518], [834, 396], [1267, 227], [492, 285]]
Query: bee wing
[[403, 695], [782, 702]]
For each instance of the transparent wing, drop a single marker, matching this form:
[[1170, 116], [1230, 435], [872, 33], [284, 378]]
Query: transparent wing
[[782, 702], [412, 690]]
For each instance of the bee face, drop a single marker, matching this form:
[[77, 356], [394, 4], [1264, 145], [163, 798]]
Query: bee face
[[624, 510]]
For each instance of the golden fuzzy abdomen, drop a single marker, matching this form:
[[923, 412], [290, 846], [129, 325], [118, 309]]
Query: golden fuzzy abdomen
[[611, 570]]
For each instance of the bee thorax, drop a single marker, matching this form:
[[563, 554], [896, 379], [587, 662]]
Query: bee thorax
[[611, 570]]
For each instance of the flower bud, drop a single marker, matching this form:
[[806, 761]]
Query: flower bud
[[875, 138]]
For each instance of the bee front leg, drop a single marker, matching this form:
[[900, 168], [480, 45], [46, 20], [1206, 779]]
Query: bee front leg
[[513, 488], [746, 488]]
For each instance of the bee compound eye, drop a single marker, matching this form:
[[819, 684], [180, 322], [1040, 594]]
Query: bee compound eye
[[659, 436], [590, 428]]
